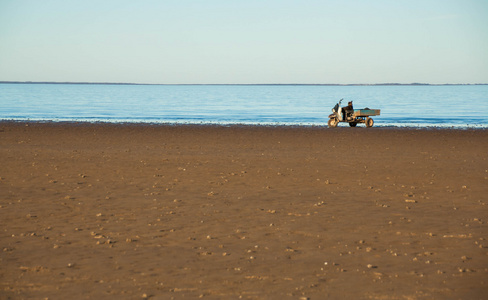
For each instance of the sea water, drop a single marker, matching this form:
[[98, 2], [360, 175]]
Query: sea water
[[461, 106]]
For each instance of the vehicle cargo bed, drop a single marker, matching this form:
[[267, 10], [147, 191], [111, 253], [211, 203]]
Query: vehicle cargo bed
[[366, 112]]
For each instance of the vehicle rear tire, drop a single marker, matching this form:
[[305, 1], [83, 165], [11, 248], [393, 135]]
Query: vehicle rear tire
[[332, 122], [369, 122], [353, 124]]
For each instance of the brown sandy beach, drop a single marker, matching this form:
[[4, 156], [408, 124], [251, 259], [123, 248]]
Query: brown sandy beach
[[105, 211]]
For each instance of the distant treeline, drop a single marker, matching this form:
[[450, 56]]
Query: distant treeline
[[312, 84]]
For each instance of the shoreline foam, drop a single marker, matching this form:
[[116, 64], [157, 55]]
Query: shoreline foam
[[226, 124]]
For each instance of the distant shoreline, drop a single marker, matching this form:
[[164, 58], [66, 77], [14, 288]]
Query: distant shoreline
[[245, 84]]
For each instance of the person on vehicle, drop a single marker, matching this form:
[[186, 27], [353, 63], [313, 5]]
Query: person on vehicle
[[347, 109]]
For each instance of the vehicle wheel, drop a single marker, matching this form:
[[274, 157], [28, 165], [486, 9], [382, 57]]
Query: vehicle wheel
[[332, 122], [353, 124], [369, 122]]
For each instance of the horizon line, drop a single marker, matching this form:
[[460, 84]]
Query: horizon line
[[268, 84]]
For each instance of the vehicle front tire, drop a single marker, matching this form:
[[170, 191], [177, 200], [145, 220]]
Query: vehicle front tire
[[332, 123], [369, 122], [353, 124]]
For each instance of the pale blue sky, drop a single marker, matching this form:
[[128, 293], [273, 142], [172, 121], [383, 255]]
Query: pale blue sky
[[249, 41]]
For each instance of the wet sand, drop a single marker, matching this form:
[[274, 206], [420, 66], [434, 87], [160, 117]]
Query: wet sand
[[104, 211]]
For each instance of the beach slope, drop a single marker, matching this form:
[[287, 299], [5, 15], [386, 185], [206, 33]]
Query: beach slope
[[104, 211]]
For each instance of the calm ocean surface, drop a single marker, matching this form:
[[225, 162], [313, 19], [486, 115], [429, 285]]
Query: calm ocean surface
[[416, 106]]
